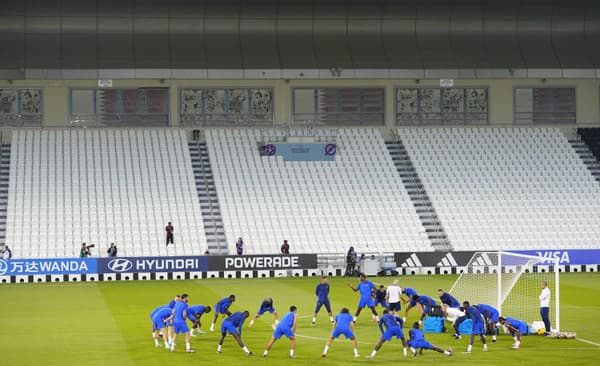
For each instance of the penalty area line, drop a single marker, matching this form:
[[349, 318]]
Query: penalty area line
[[325, 339], [588, 342]]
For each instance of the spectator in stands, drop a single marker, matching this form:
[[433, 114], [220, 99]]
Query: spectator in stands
[[350, 262], [112, 250], [361, 262], [285, 247], [169, 229], [239, 246], [206, 252], [7, 253], [84, 252]]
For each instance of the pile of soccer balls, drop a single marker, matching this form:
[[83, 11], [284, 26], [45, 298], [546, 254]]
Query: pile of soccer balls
[[563, 335]]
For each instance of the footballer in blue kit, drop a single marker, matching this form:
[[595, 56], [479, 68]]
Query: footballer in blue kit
[[417, 341], [160, 316], [222, 308], [265, 306], [380, 295], [425, 303], [407, 295], [393, 328], [179, 313], [194, 314], [322, 292], [448, 299], [343, 325], [233, 326], [287, 327], [478, 325], [516, 328], [491, 315], [365, 288]]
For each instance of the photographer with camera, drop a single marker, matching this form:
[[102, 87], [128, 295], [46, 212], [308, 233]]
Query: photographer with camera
[[112, 250], [85, 250], [350, 262]]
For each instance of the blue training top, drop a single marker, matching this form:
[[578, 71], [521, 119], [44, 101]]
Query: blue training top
[[365, 289], [224, 303], [322, 291], [161, 313], [516, 323], [409, 292], [193, 310], [389, 320], [266, 304], [485, 309], [343, 321], [178, 311], [287, 321], [426, 300], [474, 314], [416, 335], [449, 300]]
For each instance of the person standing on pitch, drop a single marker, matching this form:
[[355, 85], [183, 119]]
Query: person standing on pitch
[[222, 308], [287, 327], [343, 325], [322, 292], [169, 229], [366, 296], [545, 307], [393, 325], [179, 324], [392, 297], [478, 326], [233, 325]]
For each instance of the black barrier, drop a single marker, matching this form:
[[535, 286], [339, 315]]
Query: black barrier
[[261, 262]]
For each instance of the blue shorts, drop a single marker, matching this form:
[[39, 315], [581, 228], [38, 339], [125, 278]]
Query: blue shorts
[[227, 327], [345, 331], [368, 302], [283, 331], [420, 343], [157, 324], [382, 302], [493, 317], [393, 332], [181, 327], [478, 328], [323, 303], [426, 309], [221, 309], [394, 306], [261, 311]]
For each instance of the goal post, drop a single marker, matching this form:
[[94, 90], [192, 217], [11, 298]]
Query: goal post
[[510, 282]]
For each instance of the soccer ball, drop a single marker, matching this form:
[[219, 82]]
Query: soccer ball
[[541, 331]]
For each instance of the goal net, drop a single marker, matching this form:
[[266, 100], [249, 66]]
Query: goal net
[[511, 283]]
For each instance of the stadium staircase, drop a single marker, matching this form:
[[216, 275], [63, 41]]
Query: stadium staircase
[[4, 177], [418, 195], [586, 142], [207, 195]]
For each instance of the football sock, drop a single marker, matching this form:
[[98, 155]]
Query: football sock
[[326, 349], [246, 349], [219, 348], [373, 353], [251, 322], [405, 351], [469, 348], [314, 319], [331, 319], [356, 352], [187, 346], [291, 353]]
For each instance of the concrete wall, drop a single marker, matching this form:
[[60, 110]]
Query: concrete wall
[[56, 94]]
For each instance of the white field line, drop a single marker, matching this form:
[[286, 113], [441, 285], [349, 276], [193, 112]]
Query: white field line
[[588, 342]]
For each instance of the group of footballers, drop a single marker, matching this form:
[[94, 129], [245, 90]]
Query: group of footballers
[[170, 321]]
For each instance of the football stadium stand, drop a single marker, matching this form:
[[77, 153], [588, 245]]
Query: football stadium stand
[[513, 188]]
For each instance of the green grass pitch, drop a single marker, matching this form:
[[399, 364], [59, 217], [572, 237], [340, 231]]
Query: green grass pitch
[[108, 324]]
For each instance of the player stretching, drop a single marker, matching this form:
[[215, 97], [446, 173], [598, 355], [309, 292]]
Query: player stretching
[[287, 327], [516, 329], [194, 313], [393, 325], [380, 296], [456, 316], [407, 295], [343, 325], [179, 324], [448, 299], [417, 340], [233, 325], [491, 316], [322, 292], [366, 290], [266, 305], [222, 307], [160, 317], [425, 304], [478, 326]]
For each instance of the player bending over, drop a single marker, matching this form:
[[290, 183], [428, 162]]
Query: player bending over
[[417, 340], [516, 328], [366, 290], [491, 315], [393, 325], [380, 296], [456, 316], [179, 325], [194, 313], [233, 325], [478, 326], [222, 308], [287, 327], [425, 304], [322, 292], [266, 305], [407, 295], [448, 299], [160, 317], [343, 324]]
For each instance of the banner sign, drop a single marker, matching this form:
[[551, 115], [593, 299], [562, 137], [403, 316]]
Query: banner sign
[[462, 258], [53, 266], [152, 264], [302, 152], [262, 262]]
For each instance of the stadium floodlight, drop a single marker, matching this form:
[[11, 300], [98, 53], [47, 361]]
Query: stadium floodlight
[[510, 282]]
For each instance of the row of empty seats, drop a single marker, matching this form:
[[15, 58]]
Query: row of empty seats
[[101, 186], [506, 188]]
